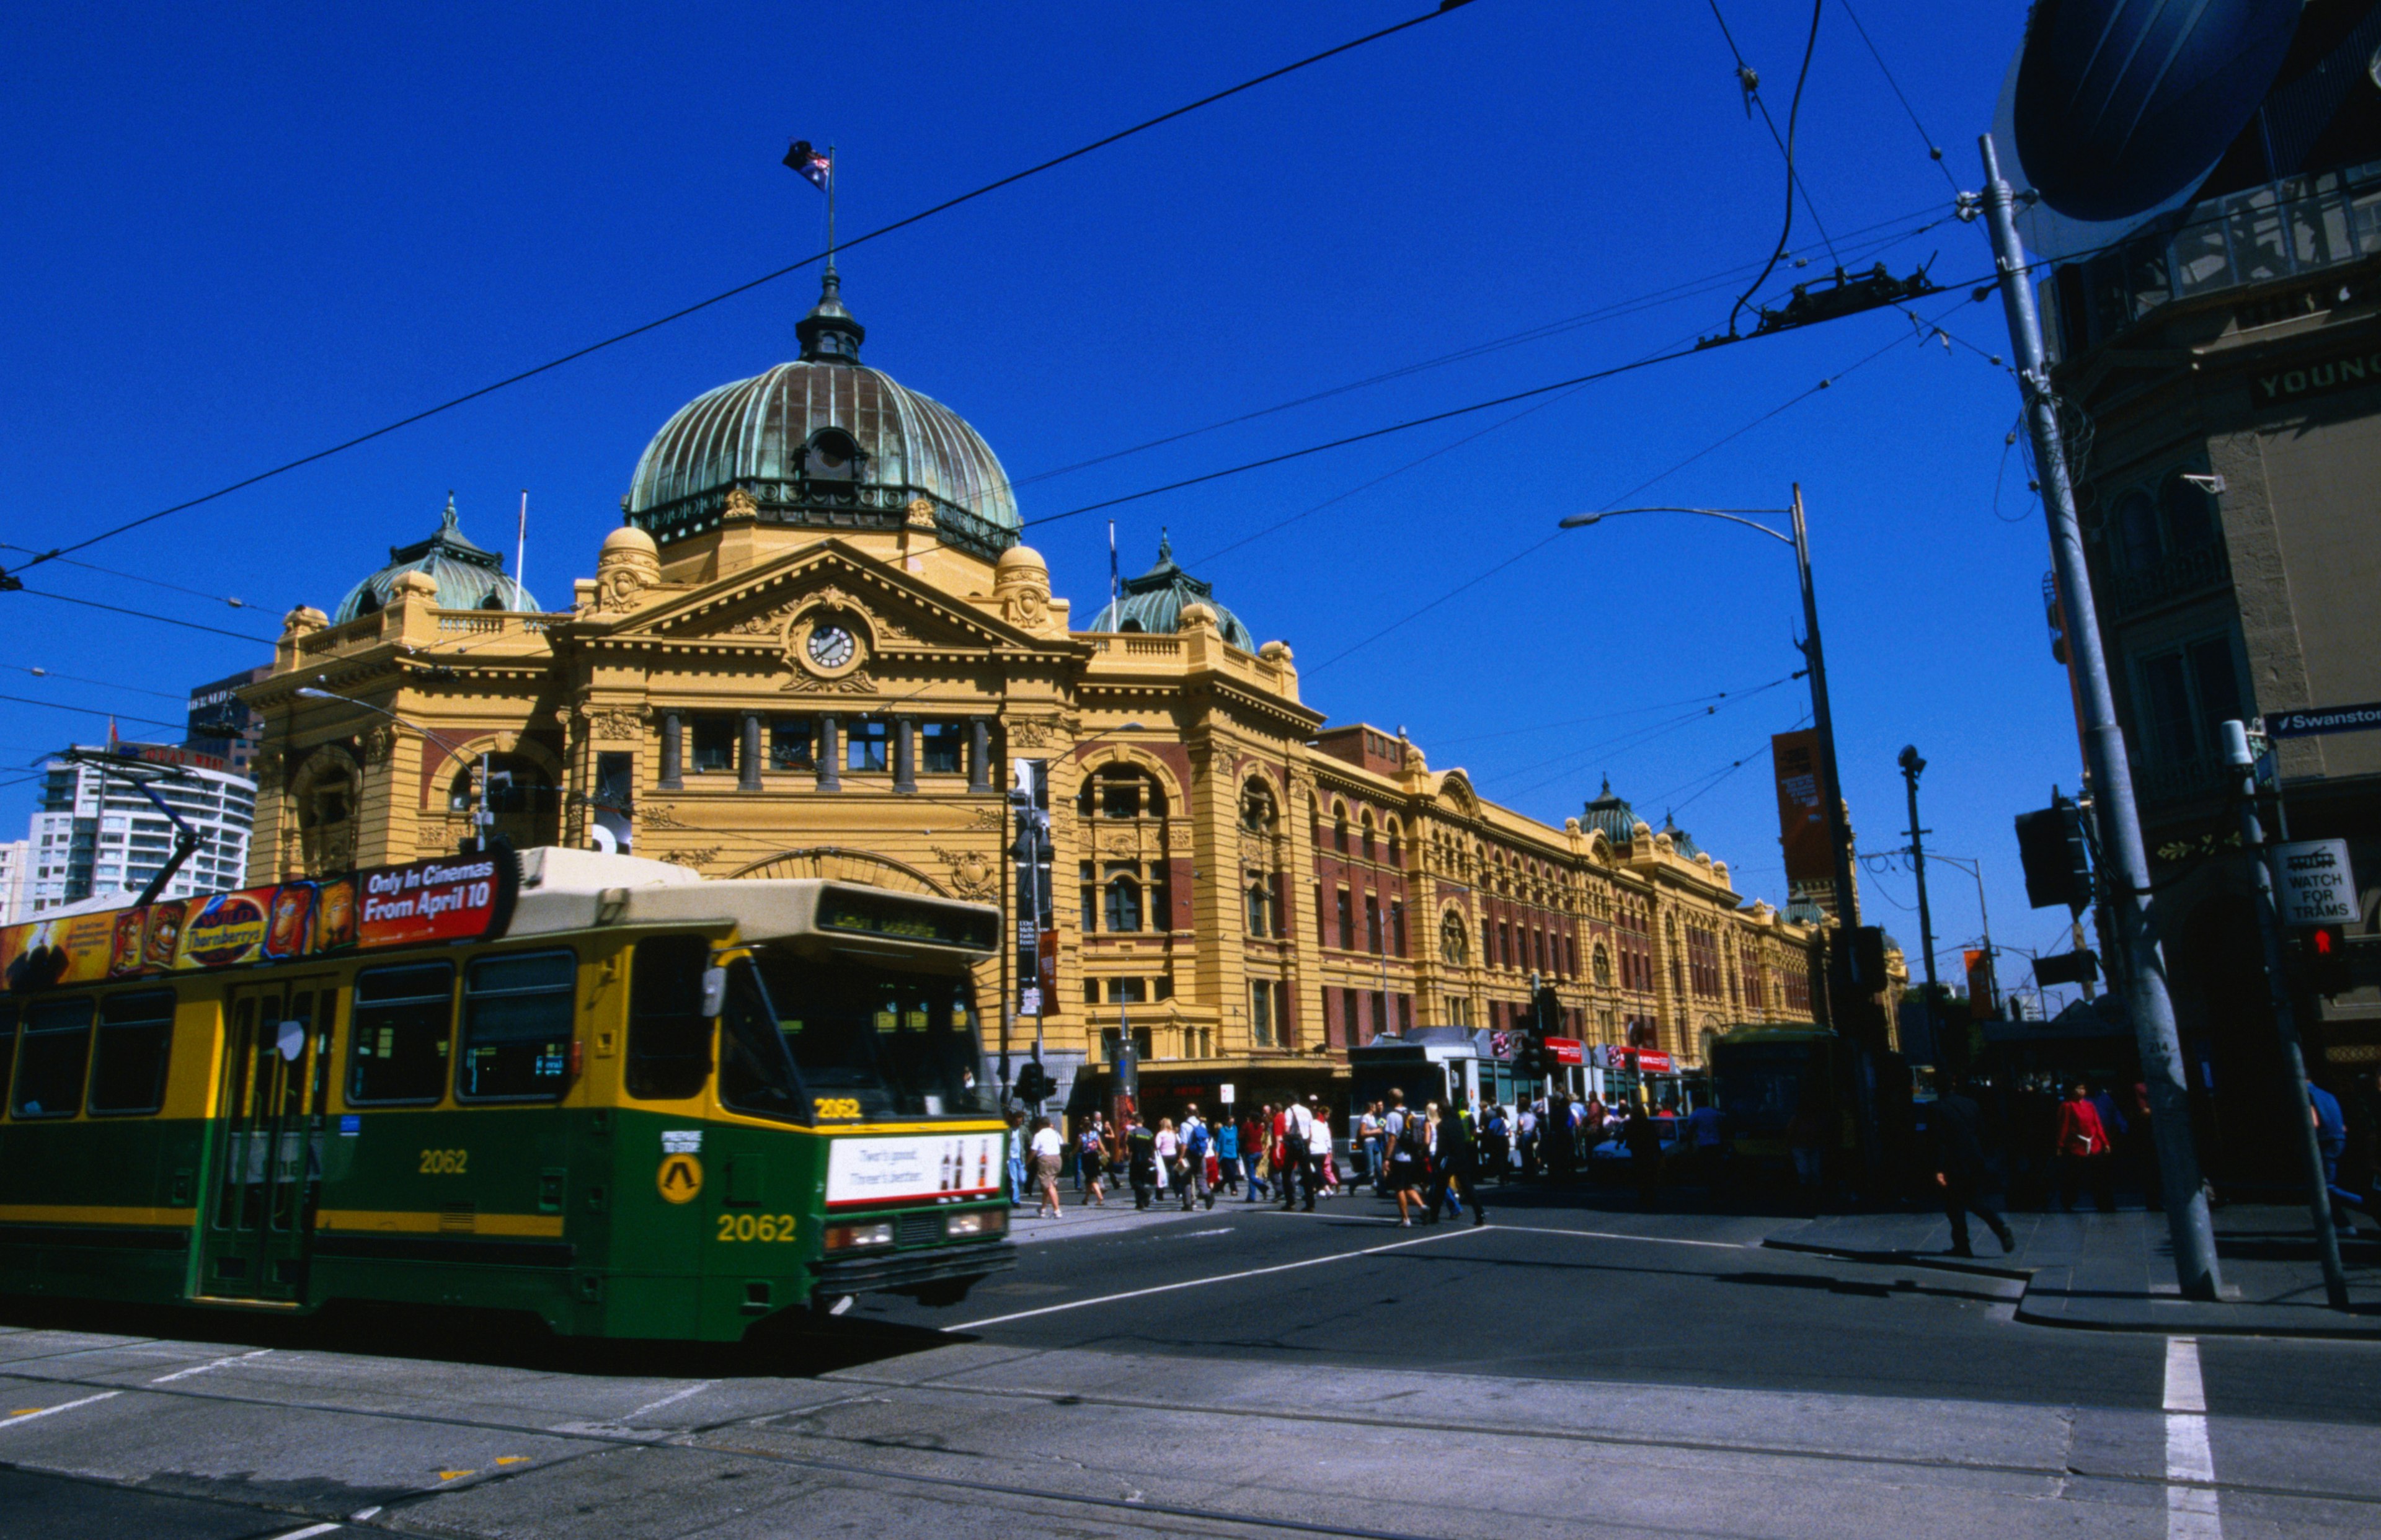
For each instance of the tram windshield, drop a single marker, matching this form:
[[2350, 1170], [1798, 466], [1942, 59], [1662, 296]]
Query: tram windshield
[[898, 1042]]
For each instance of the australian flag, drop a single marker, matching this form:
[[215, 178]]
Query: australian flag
[[815, 166]]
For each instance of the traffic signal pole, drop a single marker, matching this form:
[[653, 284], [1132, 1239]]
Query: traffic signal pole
[[2285, 1025], [2127, 861]]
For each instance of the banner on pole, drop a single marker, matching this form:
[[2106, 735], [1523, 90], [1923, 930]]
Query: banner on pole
[[1803, 792]]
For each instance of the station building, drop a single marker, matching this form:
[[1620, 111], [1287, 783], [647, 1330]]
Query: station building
[[814, 647]]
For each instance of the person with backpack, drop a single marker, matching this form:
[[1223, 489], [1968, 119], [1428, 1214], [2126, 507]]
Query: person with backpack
[[1197, 1146], [1090, 1156], [1409, 1142]]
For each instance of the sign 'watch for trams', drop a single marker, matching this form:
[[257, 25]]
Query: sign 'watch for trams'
[[2314, 883]]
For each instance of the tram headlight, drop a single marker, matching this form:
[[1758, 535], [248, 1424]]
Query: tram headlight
[[977, 1221], [845, 1238]]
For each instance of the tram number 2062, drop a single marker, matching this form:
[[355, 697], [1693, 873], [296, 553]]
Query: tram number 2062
[[755, 1227], [444, 1163]]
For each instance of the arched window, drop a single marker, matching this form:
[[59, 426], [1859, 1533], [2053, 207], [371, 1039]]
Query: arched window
[[1121, 791], [1396, 850], [1260, 907], [1315, 821], [1453, 941], [520, 794], [1370, 852], [1339, 827], [1256, 809], [1123, 914], [1603, 966], [831, 456]]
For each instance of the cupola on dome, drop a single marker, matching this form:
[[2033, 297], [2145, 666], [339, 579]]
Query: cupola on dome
[[823, 442], [467, 575], [1155, 600]]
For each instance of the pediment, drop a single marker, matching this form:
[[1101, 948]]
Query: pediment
[[763, 608]]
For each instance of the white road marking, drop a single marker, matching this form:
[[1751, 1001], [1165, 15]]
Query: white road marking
[[308, 1533], [2191, 1510], [1193, 1235], [203, 1368], [1195, 1283], [669, 1400], [1619, 1235], [52, 1411]]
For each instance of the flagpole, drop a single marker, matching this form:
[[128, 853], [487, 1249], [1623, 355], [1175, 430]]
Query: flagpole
[[521, 554], [1116, 589], [830, 208]]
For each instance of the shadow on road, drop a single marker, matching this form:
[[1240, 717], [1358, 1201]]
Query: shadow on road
[[792, 1344]]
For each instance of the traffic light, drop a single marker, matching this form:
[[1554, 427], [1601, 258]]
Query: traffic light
[[1034, 1082], [2057, 867], [1549, 1011], [2323, 960], [1529, 1059]]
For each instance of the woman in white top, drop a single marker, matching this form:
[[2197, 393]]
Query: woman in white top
[[1169, 1150], [1046, 1148]]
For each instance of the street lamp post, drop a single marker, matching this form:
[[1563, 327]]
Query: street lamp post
[[1912, 766], [483, 820], [1846, 962]]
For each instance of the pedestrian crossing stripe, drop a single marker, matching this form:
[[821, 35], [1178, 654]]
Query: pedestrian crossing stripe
[[681, 1178]]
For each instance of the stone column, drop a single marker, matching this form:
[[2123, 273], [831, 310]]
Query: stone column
[[905, 753], [830, 753], [748, 755], [979, 753], [673, 753]]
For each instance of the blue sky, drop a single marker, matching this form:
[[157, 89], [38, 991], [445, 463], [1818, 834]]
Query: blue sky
[[236, 239]]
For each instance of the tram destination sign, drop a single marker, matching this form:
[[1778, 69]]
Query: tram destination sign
[[463, 897]]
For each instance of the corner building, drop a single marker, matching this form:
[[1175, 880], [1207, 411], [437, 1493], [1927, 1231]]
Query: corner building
[[812, 647]]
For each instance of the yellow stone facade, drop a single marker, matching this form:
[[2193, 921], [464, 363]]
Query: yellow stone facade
[[757, 695]]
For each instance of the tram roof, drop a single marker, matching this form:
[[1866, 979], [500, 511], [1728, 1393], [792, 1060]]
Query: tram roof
[[564, 889]]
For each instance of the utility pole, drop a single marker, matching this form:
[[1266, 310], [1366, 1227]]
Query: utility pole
[[2285, 1025], [2127, 861], [1912, 765]]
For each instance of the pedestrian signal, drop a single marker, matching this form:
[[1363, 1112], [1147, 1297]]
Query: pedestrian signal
[[2323, 960], [1868, 957], [2057, 867], [1034, 1082]]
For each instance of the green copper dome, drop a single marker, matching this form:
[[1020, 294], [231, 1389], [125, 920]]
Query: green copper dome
[[1681, 840], [467, 575], [1610, 814], [1153, 602]]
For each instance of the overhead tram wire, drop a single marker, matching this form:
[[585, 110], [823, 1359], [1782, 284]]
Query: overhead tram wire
[[1826, 383], [102, 684], [145, 615], [1785, 145], [93, 711], [1625, 743], [58, 553], [1934, 150], [135, 577], [1607, 715]]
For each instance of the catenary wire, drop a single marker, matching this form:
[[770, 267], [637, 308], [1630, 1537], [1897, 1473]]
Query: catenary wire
[[144, 615], [880, 231], [1794, 183], [1934, 150], [135, 577], [1749, 77], [92, 710], [103, 684]]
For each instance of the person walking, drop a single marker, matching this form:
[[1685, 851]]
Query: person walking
[[1044, 1149], [2331, 1142], [1090, 1161], [1294, 1164], [1368, 1138], [1016, 1158], [2080, 1141], [1960, 1166], [1196, 1146], [1497, 1144], [1706, 1136], [1169, 1157], [1526, 1125], [1255, 1146], [1141, 1160], [1228, 1154], [1409, 1146], [1455, 1169], [1323, 1166]]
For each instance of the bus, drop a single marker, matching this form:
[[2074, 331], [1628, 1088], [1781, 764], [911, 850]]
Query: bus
[[1763, 1074], [595, 1088]]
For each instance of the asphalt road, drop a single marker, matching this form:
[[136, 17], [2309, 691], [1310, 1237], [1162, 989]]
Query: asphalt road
[[1242, 1372]]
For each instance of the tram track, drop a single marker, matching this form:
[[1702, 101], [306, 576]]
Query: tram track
[[714, 1438]]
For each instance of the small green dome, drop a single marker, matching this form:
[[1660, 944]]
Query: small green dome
[[1681, 840], [1610, 814], [467, 577], [1153, 602]]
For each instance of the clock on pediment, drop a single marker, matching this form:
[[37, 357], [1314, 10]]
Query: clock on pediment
[[826, 641]]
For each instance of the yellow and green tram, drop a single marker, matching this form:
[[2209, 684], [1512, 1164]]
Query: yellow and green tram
[[632, 1102]]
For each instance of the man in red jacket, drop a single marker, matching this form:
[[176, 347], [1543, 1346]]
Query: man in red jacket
[[2079, 1140]]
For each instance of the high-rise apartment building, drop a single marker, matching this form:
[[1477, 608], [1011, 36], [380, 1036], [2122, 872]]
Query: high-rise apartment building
[[97, 834]]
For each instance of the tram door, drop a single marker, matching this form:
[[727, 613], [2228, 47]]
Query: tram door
[[266, 1162]]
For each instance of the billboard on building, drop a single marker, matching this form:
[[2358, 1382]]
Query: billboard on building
[[1803, 792]]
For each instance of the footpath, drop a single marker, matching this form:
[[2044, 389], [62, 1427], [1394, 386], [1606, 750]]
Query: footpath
[[2115, 1272]]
